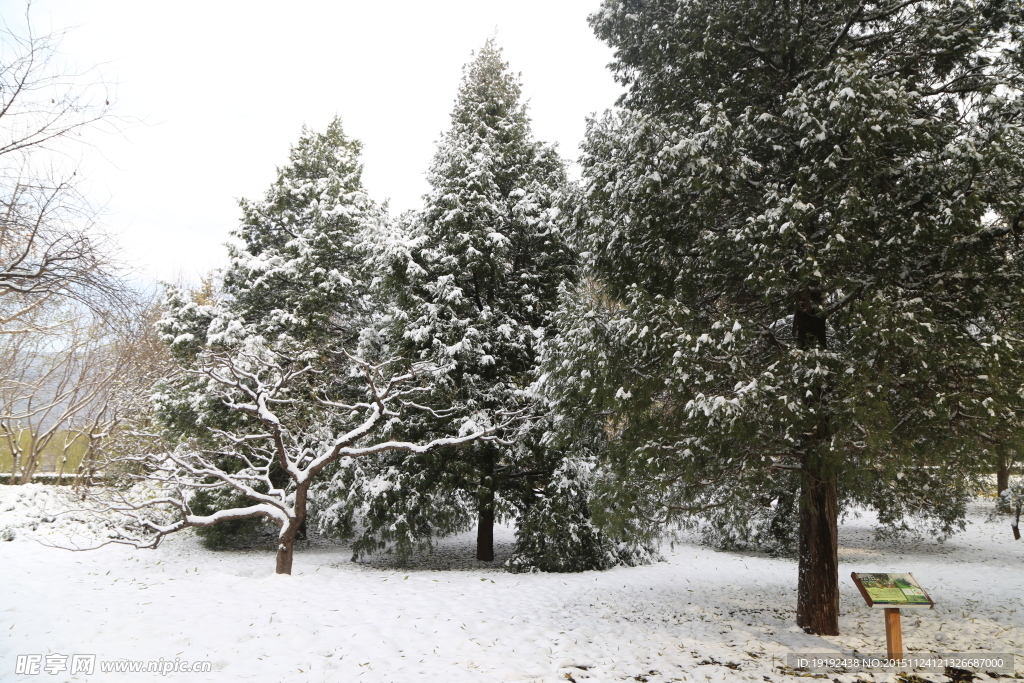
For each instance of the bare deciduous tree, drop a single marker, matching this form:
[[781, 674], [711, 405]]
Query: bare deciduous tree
[[290, 427], [48, 392], [50, 245], [63, 304], [50, 251], [65, 390]]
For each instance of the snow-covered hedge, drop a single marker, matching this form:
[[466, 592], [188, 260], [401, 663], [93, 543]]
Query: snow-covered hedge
[[56, 515]]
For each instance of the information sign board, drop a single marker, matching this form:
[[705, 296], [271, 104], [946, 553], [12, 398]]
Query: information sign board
[[891, 590]]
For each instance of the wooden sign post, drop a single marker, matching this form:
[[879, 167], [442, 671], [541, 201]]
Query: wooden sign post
[[893, 633], [891, 592]]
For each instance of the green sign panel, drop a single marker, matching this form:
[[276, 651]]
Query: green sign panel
[[891, 590]]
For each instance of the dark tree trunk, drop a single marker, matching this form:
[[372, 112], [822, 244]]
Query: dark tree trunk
[[485, 534], [485, 506], [817, 602], [809, 329]]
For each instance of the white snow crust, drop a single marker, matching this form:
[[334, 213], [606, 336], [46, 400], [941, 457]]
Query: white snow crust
[[699, 616]]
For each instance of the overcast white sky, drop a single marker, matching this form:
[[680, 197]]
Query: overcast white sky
[[222, 88]]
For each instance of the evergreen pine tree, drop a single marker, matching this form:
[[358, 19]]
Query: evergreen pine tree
[[802, 286], [296, 278], [299, 266], [474, 282]]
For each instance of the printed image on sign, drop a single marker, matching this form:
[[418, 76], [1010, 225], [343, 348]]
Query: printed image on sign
[[893, 590]]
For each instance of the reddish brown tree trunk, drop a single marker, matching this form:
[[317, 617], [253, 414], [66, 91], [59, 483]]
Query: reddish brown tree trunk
[[817, 603], [286, 542], [285, 551]]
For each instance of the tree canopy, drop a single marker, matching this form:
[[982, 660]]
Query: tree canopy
[[802, 277], [474, 277]]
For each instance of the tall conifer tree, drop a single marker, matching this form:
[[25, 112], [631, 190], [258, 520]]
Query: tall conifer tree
[[295, 278], [475, 282], [300, 266], [803, 284]]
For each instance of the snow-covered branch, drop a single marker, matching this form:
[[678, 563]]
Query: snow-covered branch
[[282, 419]]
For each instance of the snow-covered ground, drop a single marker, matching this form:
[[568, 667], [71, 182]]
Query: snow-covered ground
[[700, 615]]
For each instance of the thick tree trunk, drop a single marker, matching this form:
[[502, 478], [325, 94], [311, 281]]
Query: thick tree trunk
[[286, 547], [817, 604], [485, 534], [485, 508], [285, 551], [286, 541]]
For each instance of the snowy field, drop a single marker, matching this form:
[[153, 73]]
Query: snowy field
[[699, 616]]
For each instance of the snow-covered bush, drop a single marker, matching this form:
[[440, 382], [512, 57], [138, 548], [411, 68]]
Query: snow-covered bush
[[557, 533], [229, 534], [65, 517]]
